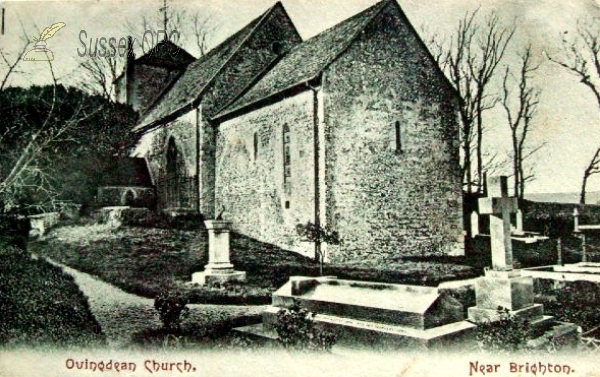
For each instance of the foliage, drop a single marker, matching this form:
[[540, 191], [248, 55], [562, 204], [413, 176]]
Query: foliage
[[41, 305], [317, 234], [508, 334], [56, 143], [314, 233], [171, 306], [14, 231], [575, 302], [296, 330]]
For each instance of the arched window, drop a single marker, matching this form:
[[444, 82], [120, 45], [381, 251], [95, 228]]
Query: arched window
[[287, 163], [398, 135], [255, 145], [173, 176]]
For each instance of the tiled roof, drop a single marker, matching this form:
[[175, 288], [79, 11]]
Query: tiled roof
[[196, 77], [307, 60], [166, 54]]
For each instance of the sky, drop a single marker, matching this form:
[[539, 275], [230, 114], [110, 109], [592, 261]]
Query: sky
[[567, 122]]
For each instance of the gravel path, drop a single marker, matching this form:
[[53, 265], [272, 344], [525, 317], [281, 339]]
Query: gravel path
[[121, 314]]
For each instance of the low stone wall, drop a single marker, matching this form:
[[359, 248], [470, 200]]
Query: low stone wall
[[130, 196], [42, 223], [118, 215], [540, 253]]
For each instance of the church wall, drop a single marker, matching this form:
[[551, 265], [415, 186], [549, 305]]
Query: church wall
[[153, 145], [387, 202], [250, 183]]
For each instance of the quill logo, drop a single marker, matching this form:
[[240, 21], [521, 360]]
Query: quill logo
[[40, 52]]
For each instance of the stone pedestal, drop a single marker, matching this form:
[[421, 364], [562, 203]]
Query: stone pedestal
[[219, 268], [507, 289]]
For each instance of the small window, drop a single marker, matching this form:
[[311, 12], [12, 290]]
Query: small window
[[287, 168], [398, 136], [287, 204], [255, 145], [277, 47]]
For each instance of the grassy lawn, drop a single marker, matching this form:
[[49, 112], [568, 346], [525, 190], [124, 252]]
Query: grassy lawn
[[146, 261], [41, 305]]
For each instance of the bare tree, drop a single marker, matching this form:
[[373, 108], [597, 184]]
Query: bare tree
[[470, 60], [177, 25], [202, 29], [10, 65], [520, 106], [580, 55], [100, 74]]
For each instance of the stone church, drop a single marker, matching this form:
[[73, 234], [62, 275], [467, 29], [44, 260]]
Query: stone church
[[355, 129]]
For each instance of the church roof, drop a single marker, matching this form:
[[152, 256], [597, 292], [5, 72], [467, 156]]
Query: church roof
[[166, 54], [307, 60], [197, 76]]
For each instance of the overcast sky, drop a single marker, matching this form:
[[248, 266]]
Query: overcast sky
[[568, 120]]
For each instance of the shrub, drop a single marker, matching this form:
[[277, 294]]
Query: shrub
[[571, 302], [296, 330], [505, 335], [171, 306]]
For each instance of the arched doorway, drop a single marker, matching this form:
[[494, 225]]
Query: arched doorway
[[174, 176]]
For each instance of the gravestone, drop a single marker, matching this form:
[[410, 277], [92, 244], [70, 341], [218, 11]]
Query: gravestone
[[219, 268], [519, 227], [388, 315], [474, 224], [503, 286]]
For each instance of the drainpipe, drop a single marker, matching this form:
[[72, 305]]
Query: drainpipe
[[198, 157], [317, 169]]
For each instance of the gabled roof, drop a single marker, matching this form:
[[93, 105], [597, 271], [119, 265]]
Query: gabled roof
[[180, 97], [307, 60], [166, 54]]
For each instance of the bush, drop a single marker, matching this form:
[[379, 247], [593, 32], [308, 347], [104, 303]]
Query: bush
[[170, 307], [296, 330], [574, 302], [505, 335]]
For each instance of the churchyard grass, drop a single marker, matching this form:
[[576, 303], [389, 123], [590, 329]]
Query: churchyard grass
[[145, 261], [41, 305]]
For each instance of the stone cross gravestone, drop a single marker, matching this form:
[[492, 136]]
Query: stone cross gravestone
[[499, 206], [502, 286], [507, 288]]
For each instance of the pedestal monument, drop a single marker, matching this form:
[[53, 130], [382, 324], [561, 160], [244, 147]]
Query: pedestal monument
[[219, 268]]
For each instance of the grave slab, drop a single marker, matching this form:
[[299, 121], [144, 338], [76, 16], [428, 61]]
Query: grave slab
[[381, 312]]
